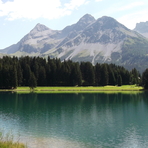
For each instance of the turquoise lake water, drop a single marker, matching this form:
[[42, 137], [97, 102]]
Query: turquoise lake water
[[96, 120]]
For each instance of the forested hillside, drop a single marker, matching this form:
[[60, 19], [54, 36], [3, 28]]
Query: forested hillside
[[37, 71]]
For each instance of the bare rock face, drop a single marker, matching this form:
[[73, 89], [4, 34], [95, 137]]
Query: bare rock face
[[142, 28]]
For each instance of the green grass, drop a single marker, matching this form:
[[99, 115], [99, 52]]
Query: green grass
[[6, 141], [80, 89], [11, 144]]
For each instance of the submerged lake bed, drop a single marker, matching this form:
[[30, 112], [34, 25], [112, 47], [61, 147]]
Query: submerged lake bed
[[89, 120]]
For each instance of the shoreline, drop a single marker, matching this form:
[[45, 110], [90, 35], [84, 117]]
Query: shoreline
[[83, 89]]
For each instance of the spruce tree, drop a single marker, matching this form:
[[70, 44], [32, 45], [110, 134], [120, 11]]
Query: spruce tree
[[42, 76], [97, 74], [104, 75], [19, 75], [112, 80], [119, 80], [75, 76], [88, 73], [32, 81], [14, 80], [145, 79]]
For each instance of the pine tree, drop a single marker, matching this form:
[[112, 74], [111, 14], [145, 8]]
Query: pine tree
[[48, 72], [14, 78], [6, 76], [42, 76], [65, 73], [32, 81], [35, 67], [26, 74], [75, 76], [53, 72], [112, 80], [145, 79], [19, 74], [119, 80], [88, 73], [134, 76], [1, 74], [104, 75], [97, 74]]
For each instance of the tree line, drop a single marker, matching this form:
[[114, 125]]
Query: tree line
[[38, 71]]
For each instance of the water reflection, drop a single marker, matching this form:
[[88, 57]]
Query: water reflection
[[85, 120]]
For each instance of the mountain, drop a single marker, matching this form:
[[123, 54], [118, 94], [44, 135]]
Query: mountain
[[105, 40], [101, 40], [41, 38], [142, 28], [37, 41]]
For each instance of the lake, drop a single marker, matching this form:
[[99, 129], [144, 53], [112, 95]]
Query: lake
[[96, 120]]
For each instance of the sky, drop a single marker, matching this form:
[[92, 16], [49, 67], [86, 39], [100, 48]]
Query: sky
[[19, 17]]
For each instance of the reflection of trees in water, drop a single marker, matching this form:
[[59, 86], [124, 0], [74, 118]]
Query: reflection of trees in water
[[41, 102], [33, 105], [76, 115], [145, 97]]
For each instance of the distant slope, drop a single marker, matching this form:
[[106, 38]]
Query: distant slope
[[142, 28]]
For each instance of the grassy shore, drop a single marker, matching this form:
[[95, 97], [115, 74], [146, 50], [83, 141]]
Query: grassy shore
[[10, 144], [80, 89], [76, 89], [6, 141]]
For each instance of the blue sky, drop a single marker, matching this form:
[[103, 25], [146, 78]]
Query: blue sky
[[18, 17]]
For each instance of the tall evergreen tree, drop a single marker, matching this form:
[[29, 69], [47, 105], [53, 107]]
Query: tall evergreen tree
[[75, 76], [1, 74], [111, 76], [88, 73], [119, 80], [35, 67], [145, 79], [97, 74], [104, 75], [65, 73], [6, 77], [32, 81], [53, 72], [19, 74], [26, 74], [48, 73], [42, 77], [135, 76], [112, 80], [14, 78]]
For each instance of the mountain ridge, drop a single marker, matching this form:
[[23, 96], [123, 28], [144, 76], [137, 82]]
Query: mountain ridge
[[95, 40]]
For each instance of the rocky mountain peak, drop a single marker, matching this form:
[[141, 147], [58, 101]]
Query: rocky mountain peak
[[142, 27], [108, 22], [83, 22], [87, 18], [39, 28]]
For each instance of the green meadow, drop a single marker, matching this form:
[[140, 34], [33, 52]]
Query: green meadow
[[88, 89]]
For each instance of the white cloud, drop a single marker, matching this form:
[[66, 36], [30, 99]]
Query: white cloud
[[33, 9], [98, 0], [132, 5], [75, 4]]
